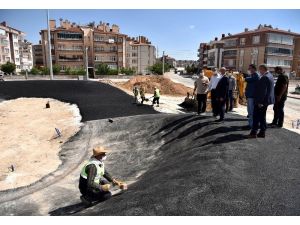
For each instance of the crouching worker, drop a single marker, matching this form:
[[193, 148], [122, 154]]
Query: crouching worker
[[94, 182]]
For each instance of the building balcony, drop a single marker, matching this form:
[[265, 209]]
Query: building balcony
[[70, 49], [4, 42], [70, 60]]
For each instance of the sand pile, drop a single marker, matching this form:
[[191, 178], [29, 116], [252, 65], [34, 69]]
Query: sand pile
[[28, 141], [166, 86]]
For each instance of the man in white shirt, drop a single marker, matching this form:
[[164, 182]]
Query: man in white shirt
[[214, 80]]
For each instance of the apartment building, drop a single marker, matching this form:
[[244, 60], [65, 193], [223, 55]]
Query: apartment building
[[296, 60], [185, 63], [26, 57], [37, 52], [69, 43], [109, 46], [9, 45], [168, 60], [215, 53], [203, 55], [140, 54], [265, 44]]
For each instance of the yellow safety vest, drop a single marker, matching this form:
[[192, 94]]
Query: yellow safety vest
[[100, 170]]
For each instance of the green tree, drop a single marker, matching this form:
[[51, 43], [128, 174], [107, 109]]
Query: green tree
[[80, 71], [56, 69], [34, 71], [102, 69], [45, 71], [157, 68], [8, 67], [127, 71]]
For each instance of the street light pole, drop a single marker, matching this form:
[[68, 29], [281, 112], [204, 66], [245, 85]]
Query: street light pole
[[86, 63], [163, 65], [49, 47]]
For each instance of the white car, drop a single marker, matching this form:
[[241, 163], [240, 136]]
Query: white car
[[195, 77]]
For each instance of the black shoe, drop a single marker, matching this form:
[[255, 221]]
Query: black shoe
[[219, 120], [261, 135], [86, 201]]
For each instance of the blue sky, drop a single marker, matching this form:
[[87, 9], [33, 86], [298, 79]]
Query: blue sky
[[177, 32]]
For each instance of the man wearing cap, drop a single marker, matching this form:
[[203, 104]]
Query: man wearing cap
[[94, 182]]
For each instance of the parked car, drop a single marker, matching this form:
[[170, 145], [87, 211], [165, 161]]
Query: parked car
[[195, 77]]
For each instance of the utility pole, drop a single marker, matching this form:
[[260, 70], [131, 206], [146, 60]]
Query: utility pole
[[49, 47], [86, 64], [163, 63]]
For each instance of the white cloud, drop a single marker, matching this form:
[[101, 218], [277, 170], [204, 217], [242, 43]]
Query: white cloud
[[192, 27]]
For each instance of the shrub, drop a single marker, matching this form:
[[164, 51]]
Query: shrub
[[8, 67], [157, 68], [56, 69], [34, 71], [102, 69]]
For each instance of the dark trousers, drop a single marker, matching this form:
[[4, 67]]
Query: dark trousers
[[143, 99], [97, 196], [229, 101], [221, 108], [201, 98], [214, 103], [279, 112], [155, 100], [259, 119]]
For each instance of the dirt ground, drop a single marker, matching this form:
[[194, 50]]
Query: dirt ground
[[165, 85], [28, 139]]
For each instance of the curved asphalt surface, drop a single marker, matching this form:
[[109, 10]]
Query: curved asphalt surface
[[179, 165]]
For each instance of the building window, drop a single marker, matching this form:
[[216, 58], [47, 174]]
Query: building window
[[112, 58], [279, 51], [16, 44], [242, 57], [120, 39], [6, 50], [15, 36], [134, 61], [230, 43], [280, 39], [256, 39], [242, 41], [134, 54], [69, 36], [230, 53], [254, 56]]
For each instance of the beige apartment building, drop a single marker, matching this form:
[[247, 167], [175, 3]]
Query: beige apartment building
[[265, 44], [37, 52], [9, 45], [140, 54], [69, 43]]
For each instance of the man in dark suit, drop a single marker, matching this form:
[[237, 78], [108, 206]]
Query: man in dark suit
[[221, 93], [263, 97]]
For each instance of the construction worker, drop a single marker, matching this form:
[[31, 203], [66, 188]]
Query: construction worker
[[156, 97], [135, 93], [94, 182], [142, 94]]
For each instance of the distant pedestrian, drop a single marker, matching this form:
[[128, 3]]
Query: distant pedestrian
[[250, 90], [212, 88], [142, 94], [156, 97], [263, 97], [221, 93], [231, 89], [135, 93], [201, 85], [281, 91]]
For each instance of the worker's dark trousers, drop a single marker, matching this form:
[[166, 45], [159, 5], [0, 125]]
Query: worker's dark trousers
[[155, 100], [143, 99], [279, 112], [101, 195], [214, 103], [259, 119], [221, 108], [201, 98], [229, 101]]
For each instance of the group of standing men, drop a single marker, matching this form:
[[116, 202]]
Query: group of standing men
[[221, 87], [260, 93]]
